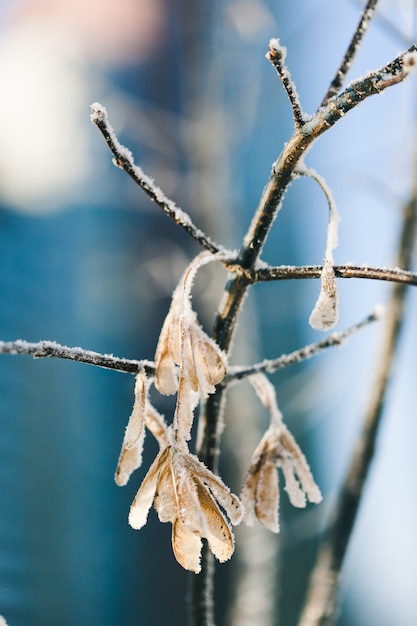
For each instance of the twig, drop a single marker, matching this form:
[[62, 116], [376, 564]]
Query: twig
[[276, 55], [272, 365], [284, 168], [284, 272], [321, 604], [211, 416], [123, 158], [51, 349], [345, 65]]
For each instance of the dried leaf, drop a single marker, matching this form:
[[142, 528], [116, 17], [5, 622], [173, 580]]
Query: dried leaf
[[136, 425], [325, 314], [209, 361], [230, 503], [146, 494], [129, 461], [188, 495], [187, 401], [187, 547], [266, 393], [165, 502], [277, 448], [166, 375], [131, 454], [166, 379], [267, 497], [293, 488], [156, 424], [218, 532], [301, 467]]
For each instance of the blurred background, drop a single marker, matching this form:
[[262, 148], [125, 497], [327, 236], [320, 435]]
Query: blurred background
[[86, 260]]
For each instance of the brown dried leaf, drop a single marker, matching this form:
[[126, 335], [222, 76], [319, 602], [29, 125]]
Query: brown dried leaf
[[216, 360], [209, 361], [156, 424], [165, 502], [218, 532], [129, 461], [267, 497], [131, 453], [166, 379], [145, 496], [187, 401], [230, 503], [300, 466], [187, 547], [136, 424]]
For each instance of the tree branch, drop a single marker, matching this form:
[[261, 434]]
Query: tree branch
[[51, 349], [236, 373], [285, 272], [276, 55], [346, 63], [123, 158], [321, 604], [211, 416]]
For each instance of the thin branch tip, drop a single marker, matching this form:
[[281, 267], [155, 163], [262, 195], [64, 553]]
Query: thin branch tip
[[52, 349], [276, 55], [124, 159], [346, 63], [98, 113], [276, 50]]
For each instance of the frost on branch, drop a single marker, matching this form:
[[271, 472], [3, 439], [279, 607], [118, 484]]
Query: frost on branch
[[187, 494], [277, 449], [187, 360]]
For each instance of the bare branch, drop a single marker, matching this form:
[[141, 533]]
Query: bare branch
[[345, 65], [276, 55], [283, 170], [51, 349], [282, 175], [123, 158], [272, 365], [321, 604], [285, 272]]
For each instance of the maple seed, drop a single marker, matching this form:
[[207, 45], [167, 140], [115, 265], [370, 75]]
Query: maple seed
[[277, 448], [187, 494]]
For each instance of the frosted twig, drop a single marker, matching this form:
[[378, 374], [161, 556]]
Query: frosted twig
[[237, 373], [320, 608], [345, 65], [51, 349], [270, 203], [285, 272], [123, 158], [295, 149], [276, 55]]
